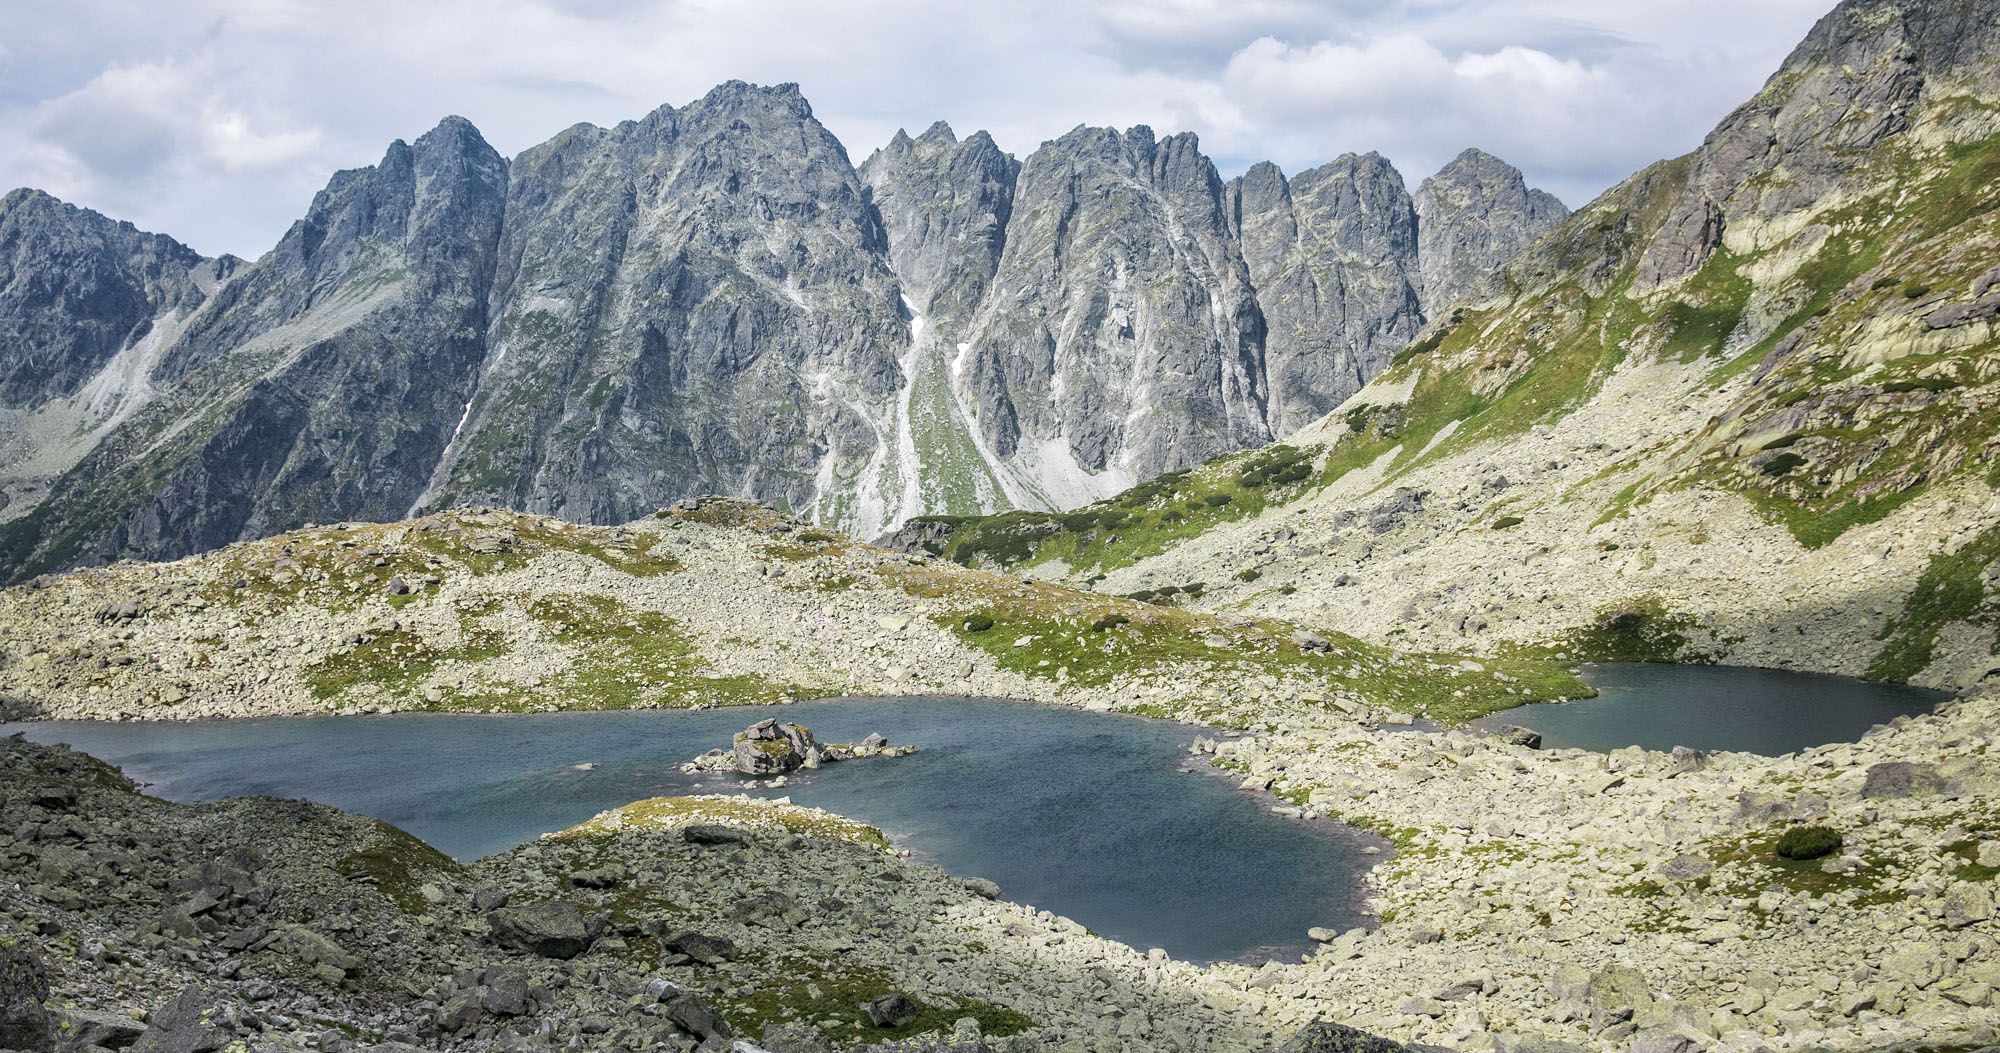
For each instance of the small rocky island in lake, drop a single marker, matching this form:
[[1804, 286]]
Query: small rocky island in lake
[[773, 747]]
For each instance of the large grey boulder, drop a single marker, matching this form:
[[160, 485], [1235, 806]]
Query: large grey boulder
[[891, 1010], [1326, 1037], [24, 990], [693, 1014], [769, 747], [1899, 779], [1516, 735], [191, 1023], [551, 928]]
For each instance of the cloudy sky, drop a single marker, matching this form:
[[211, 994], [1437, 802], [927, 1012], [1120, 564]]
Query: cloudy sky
[[216, 120]]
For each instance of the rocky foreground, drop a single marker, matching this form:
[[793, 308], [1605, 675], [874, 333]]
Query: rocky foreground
[[1539, 900], [671, 924]]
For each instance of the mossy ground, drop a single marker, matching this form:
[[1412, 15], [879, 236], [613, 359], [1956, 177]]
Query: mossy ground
[[672, 812], [617, 657], [831, 994], [1968, 869], [400, 865], [1640, 629], [1951, 589], [626, 658], [398, 660], [1044, 631], [1746, 865], [343, 567], [1143, 521]]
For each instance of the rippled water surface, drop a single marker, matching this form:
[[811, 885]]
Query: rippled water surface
[[1092, 816]]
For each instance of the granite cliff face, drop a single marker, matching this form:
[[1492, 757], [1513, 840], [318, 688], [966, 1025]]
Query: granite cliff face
[[1123, 336], [87, 306], [309, 386], [1475, 214], [699, 301], [712, 299], [1856, 81], [1333, 254], [945, 205], [75, 288]]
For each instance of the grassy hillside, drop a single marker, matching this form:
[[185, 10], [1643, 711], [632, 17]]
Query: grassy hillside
[[1829, 369], [718, 603]]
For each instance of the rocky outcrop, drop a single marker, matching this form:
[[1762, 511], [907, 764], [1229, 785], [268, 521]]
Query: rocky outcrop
[[1474, 215], [24, 990], [75, 289], [1325, 1037], [551, 928], [1333, 256], [1853, 82], [772, 747]]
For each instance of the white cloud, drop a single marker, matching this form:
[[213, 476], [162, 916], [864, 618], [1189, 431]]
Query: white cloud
[[216, 120]]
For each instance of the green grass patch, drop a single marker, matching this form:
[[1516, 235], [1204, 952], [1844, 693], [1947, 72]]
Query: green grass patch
[[1969, 868], [400, 866], [1951, 589], [396, 661], [1047, 632], [815, 992], [629, 659], [1143, 521], [1756, 865]]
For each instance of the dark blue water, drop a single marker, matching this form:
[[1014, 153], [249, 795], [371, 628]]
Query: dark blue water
[[1764, 711], [1093, 816]]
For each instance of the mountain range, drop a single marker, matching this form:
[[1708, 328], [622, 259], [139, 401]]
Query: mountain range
[[712, 299], [1744, 407]]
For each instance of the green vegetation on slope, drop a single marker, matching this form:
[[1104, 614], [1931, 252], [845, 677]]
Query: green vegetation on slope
[[399, 866], [1874, 413], [1951, 589], [1143, 521], [1052, 633], [629, 659]]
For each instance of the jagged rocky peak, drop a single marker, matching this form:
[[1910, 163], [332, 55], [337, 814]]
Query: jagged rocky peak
[[1121, 339], [693, 302], [945, 205], [1856, 79], [404, 229], [309, 387], [77, 287], [1332, 254], [1474, 215]]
